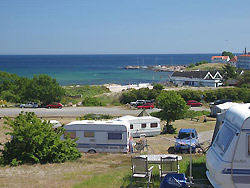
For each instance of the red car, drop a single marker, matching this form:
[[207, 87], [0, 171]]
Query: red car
[[146, 106], [54, 105], [194, 103]]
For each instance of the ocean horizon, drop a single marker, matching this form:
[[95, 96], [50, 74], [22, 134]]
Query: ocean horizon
[[97, 69]]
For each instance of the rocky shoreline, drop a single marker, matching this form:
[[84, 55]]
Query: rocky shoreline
[[159, 68]]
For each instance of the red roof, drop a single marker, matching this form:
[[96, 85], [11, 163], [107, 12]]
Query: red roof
[[245, 55], [234, 59], [220, 57]]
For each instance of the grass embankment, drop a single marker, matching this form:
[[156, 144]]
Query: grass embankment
[[206, 67], [102, 95]]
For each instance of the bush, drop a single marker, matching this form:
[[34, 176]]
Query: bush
[[140, 94], [34, 141], [158, 87], [92, 101], [95, 117]]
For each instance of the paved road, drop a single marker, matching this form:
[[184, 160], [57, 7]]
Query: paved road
[[72, 111], [79, 111], [199, 108]]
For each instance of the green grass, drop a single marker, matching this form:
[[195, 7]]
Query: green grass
[[119, 176], [86, 90], [110, 100], [205, 67]]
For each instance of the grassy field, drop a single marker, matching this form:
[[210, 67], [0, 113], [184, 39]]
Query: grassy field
[[208, 66], [99, 170]]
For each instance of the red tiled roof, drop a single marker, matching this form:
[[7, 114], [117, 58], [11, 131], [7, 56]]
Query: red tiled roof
[[221, 57], [245, 55], [234, 59]]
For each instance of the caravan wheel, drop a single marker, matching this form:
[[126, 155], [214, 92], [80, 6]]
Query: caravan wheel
[[91, 151]]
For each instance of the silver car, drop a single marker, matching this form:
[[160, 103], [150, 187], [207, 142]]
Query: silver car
[[29, 105]]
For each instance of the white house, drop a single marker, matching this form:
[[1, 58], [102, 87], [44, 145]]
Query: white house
[[220, 59], [233, 61], [197, 78]]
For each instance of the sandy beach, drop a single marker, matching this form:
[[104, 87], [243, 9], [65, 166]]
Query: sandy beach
[[114, 88]]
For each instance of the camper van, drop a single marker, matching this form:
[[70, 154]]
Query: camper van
[[99, 136], [142, 126], [228, 158]]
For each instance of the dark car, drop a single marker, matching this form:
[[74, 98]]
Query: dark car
[[54, 105], [221, 101], [146, 106], [194, 103]]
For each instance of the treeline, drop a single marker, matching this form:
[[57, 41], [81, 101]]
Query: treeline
[[236, 94], [42, 89]]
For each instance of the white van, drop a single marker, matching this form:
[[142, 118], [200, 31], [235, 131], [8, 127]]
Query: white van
[[142, 126], [99, 136], [228, 159]]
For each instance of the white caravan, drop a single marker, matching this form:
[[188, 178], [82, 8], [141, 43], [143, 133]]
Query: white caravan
[[142, 126], [99, 136], [228, 158], [221, 108]]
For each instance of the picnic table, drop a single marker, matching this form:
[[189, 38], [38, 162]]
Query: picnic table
[[156, 159]]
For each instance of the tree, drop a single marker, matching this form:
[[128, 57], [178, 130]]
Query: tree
[[33, 141], [230, 54], [230, 72], [244, 79], [173, 107], [158, 87], [46, 89]]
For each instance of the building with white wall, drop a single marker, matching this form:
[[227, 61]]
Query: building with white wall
[[244, 61], [220, 59], [197, 78]]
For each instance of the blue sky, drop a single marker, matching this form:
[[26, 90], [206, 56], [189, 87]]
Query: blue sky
[[123, 27]]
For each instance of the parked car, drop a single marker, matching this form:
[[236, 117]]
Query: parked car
[[54, 105], [146, 106], [29, 105], [194, 103], [137, 103], [221, 101], [182, 141]]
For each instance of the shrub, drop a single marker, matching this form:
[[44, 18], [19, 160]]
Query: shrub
[[34, 141], [92, 101], [95, 117], [158, 87]]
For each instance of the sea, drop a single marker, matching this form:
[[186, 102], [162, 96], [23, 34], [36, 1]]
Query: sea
[[97, 69]]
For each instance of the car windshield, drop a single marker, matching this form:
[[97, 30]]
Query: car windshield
[[183, 135]]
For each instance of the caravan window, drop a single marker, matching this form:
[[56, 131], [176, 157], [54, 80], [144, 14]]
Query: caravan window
[[115, 136], [72, 134], [143, 125], [89, 134], [131, 126], [224, 137], [152, 125]]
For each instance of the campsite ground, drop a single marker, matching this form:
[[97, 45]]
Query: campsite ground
[[94, 170]]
